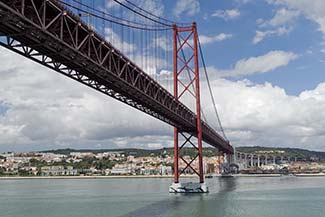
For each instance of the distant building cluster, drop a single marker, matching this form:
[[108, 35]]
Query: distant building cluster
[[119, 163], [51, 164]]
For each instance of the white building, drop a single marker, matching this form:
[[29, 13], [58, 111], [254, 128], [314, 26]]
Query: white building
[[120, 171], [58, 171], [166, 170]]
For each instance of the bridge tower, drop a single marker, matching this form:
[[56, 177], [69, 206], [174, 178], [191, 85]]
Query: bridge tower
[[186, 38]]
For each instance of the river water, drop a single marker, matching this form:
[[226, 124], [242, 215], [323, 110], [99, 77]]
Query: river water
[[228, 197]]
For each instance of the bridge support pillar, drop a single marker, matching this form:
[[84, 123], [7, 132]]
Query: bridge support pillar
[[258, 161], [266, 160], [246, 161], [187, 67]]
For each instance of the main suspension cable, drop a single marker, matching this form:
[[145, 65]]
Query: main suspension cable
[[142, 15], [108, 14], [113, 21], [210, 90], [160, 18]]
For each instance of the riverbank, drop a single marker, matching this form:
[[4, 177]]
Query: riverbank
[[92, 177], [281, 175], [258, 175], [310, 175]]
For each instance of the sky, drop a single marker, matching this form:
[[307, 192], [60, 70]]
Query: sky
[[265, 61]]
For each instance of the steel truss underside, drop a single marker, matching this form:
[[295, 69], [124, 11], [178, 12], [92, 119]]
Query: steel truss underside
[[45, 32]]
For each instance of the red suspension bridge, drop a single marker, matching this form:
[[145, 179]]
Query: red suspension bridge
[[139, 60]]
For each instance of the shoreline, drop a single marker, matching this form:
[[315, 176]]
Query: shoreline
[[310, 175], [258, 175], [91, 177]]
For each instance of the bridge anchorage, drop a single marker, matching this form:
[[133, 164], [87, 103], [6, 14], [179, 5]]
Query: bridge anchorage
[[50, 32]]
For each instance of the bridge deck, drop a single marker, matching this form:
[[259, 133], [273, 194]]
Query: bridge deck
[[47, 33]]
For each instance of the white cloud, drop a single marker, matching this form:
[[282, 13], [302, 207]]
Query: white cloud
[[261, 35], [146, 142], [227, 14], [211, 39], [313, 10], [155, 145], [283, 16], [163, 43], [265, 115], [154, 6], [256, 65], [118, 43], [145, 58], [281, 22], [187, 7], [47, 111]]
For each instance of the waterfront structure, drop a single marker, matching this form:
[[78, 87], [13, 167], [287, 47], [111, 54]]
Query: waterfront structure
[[29, 170], [120, 171], [58, 171], [246, 160], [166, 170]]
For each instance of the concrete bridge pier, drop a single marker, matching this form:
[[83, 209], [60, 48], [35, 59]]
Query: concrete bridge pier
[[258, 160], [246, 161], [265, 159]]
